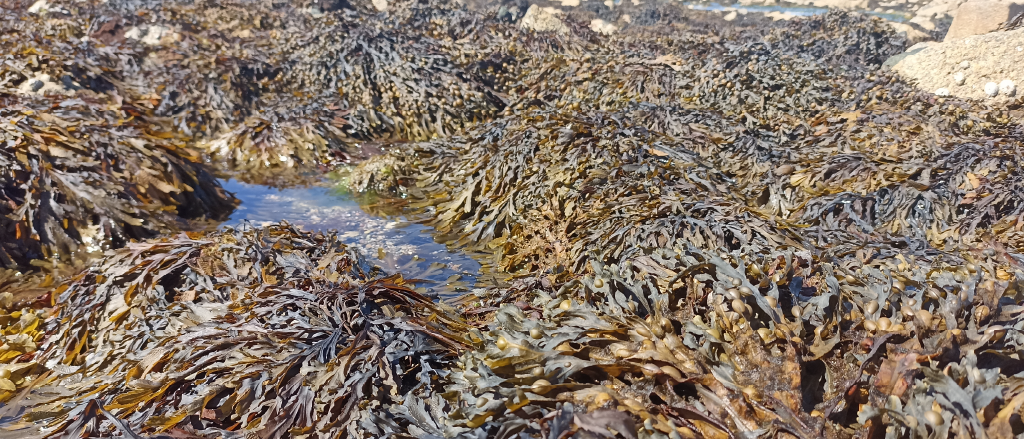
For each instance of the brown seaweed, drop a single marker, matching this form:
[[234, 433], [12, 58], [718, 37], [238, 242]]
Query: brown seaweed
[[269, 331], [736, 231]]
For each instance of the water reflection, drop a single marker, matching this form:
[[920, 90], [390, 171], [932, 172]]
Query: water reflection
[[796, 11], [394, 244]]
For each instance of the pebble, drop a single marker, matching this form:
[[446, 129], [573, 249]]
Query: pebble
[[960, 78], [1007, 87], [991, 89], [942, 92]]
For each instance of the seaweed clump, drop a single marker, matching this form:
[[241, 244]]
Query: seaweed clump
[[755, 233], [718, 253], [80, 178], [270, 85], [82, 170], [266, 331]]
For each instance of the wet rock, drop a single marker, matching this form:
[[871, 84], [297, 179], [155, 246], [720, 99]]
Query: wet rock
[[838, 4], [969, 67], [543, 20], [981, 17]]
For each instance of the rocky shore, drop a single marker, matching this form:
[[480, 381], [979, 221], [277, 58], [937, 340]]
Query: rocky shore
[[709, 223]]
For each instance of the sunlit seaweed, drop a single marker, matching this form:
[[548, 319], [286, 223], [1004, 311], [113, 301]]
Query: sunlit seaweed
[[717, 232], [268, 331], [720, 256]]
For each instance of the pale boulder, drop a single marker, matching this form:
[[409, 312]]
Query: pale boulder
[[912, 33], [978, 17], [39, 7], [938, 9], [970, 68], [602, 27], [543, 20]]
